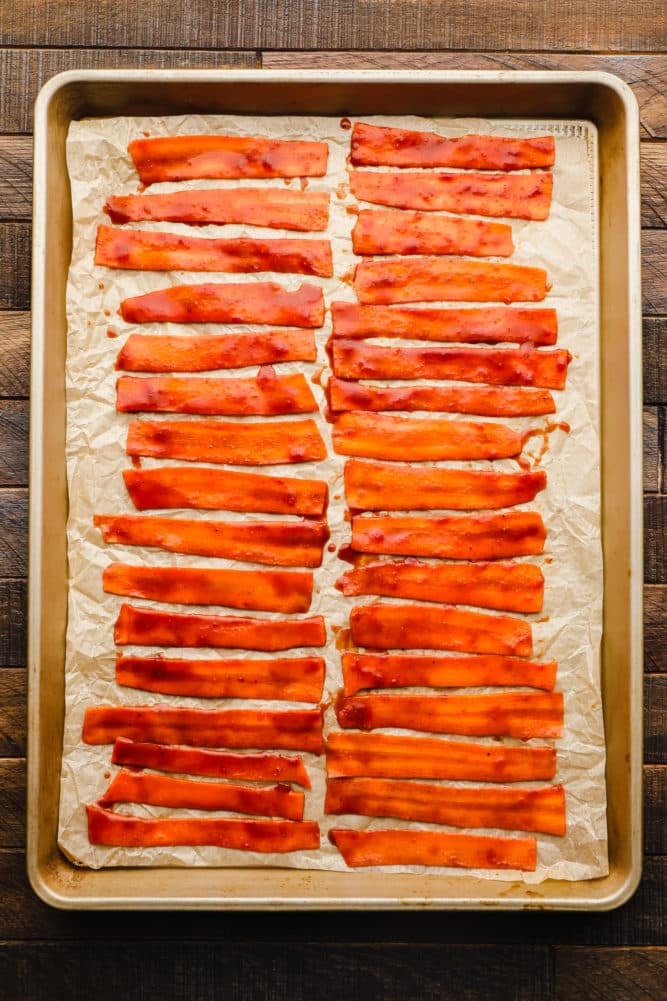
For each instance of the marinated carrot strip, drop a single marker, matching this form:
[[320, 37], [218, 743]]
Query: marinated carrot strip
[[164, 790], [521, 196], [292, 679], [215, 489], [383, 755], [541, 810], [523, 366], [108, 828], [380, 145], [509, 587], [268, 394], [149, 627], [399, 627], [229, 303], [293, 729], [382, 232], [377, 486], [458, 537], [376, 436], [485, 324], [181, 158], [279, 208], [485, 401], [427, 279], [391, 846], [517, 714], [141, 250], [214, 764], [367, 670], [264, 444], [206, 352]]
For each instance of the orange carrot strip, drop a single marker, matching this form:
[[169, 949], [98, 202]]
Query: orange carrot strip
[[181, 158], [293, 729], [214, 764], [206, 352], [141, 250], [108, 828], [428, 279], [262, 444], [261, 302], [164, 790], [367, 670], [215, 489], [383, 755], [399, 627], [511, 809], [516, 714], [376, 436], [485, 401], [276, 207], [268, 394], [387, 232], [376, 486], [291, 679], [433, 848], [149, 627]]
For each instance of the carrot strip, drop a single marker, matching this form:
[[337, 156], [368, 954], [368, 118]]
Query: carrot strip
[[264, 444], [383, 755], [376, 436], [516, 714], [294, 729], [428, 279], [376, 486], [382, 232], [462, 537], [143, 250], [215, 489], [367, 670], [485, 401], [164, 790], [181, 158], [380, 145], [149, 627], [268, 394], [433, 848], [214, 764], [206, 352], [230, 303], [509, 587], [291, 679], [510, 809], [279, 208], [399, 627]]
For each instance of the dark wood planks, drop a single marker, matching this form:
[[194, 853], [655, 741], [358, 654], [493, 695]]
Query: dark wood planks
[[12, 712], [14, 535], [610, 974], [651, 450], [14, 353], [13, 621], [655, 527], [15, 177], [654, 188], [655, 359], [655, 719], [15, 253], [12, 803], [655, 627], [13, 443]]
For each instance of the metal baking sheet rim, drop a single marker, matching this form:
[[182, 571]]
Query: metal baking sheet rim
[[602, 98]]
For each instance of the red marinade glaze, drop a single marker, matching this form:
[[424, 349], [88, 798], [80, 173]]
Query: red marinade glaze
[[267, 395], [206, 352], [389, 232], [393, 846]]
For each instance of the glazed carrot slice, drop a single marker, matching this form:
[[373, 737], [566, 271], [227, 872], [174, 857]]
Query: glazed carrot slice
[[523, 366], [204, 352], [382, 232], [521, 196], [264, 444], [108, 828], [268, 394], [509, 587], [293, 729], [399, 627], [376, 436], [384, 755], [516, 714], [279, 208], [377, 486], [263, 302], [164, 790], [541, 809], [292, 679], [380, 145], [485, 401], [428, 279], [392, 846], [181, 158], [458, 537], [143, 250], [215, 489], [149, 627], [214, 764]]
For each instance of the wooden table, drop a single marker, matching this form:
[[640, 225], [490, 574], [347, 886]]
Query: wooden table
[[49, 954]]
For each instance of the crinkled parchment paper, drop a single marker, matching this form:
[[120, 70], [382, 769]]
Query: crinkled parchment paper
[[567, 630]]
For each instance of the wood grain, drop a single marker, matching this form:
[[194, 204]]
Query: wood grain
[[14, 535], [12, 712], [13, 625], [655, 359], [15, 253], [655, 525], [610, 974], [653, 186], [12, 803], [654, 268], [13, 443], [655, 719], [655, 627], [651, 450], [14, 353], [655, 798]]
